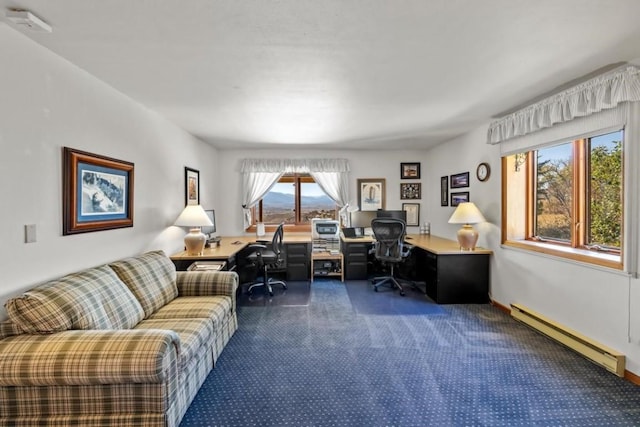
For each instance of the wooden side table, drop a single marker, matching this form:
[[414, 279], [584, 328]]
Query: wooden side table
[[321, 257]]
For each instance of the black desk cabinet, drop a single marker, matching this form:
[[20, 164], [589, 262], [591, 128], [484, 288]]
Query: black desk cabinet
[[455, 279], [356, 256], [298, 261]]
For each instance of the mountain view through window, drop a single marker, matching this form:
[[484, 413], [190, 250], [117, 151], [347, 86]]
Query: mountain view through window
[[279, 204]]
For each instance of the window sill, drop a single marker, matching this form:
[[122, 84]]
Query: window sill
[[268, 228], [579, 255]]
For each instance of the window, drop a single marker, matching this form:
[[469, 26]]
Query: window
[[567, 199], [295, 199]]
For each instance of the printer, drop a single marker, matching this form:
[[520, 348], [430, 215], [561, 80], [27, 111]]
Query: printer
[[325, 234]]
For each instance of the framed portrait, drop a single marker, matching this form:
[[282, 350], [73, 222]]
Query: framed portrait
[[409, 170], [444, 191], [371, 194], [191, 186], [460, 180], [97, 192], [410, 191], [460, 197], [413, 213]]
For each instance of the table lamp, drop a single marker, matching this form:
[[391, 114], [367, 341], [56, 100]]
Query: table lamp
[[467, 213], [194, 216]]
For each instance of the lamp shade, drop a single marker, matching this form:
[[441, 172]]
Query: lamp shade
[[193, 216], [466, 213]]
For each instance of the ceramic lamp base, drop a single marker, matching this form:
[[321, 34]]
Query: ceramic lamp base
[[467, 237], [194, 242]]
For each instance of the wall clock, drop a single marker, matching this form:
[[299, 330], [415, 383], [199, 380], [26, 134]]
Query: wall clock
[[483, 172]]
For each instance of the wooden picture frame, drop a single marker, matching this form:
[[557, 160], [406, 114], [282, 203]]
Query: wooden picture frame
[[371, 194], [460, 180], [459, 197], [444, 191], [191, 186], [410, 191], [413, 213], [97, 192], [409, 170]]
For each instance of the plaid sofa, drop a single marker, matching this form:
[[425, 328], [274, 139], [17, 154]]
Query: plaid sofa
[[127, 344]]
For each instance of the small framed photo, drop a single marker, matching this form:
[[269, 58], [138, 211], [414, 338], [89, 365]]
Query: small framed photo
[[413, 213], [457, 198], [97, 192], [192, 186], [409, 170], [460, 180], [371, 195], [410, 191], [444, 191]]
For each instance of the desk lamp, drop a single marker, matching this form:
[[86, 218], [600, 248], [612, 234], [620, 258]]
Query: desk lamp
[[467, 213], [194, 216]]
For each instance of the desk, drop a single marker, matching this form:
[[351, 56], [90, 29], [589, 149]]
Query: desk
[[451, 276], [296, 254]]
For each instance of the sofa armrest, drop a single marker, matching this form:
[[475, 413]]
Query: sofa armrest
[[81, 357], [207, 283]]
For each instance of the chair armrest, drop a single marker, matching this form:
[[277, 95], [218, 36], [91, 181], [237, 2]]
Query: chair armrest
[[82, 357], [207, 283]]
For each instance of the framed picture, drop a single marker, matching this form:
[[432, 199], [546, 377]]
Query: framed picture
[[457, 198], [410, 191], [371, 194], [191, 186], [444, 191], [413, 213], [460, 180], [409, 170], [97, 192]]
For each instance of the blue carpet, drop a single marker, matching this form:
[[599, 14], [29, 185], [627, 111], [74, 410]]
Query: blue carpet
[[389, 302], [325, 364], [296, 294]]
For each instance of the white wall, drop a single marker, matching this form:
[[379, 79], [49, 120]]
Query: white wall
[[364, 164], [599, 303], [47, 103]]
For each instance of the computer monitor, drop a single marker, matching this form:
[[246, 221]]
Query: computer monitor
[[362, 218], [383, 213], [209, 230]]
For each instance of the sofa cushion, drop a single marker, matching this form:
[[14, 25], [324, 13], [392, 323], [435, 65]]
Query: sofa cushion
[[151, 277], [215, 308], [90, 299], [193, 333]]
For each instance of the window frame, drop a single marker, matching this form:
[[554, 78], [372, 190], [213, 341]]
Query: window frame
[[576, 249], [296, 179]]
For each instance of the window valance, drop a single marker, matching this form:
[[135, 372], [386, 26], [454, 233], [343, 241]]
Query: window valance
[[294, 165], [599, 93]]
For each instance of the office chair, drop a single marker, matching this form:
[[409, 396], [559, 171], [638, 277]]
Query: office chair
[[265, 258], [389, 248]]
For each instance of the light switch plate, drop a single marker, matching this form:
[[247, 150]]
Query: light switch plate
[[30, 233]]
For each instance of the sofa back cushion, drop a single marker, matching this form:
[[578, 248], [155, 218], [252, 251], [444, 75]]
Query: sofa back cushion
[[151, 277], [90, 299]]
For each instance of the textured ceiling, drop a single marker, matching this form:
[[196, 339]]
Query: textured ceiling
[[338, 73]]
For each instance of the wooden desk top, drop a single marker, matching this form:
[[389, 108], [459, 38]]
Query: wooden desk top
[[230, 246], [428, 242]]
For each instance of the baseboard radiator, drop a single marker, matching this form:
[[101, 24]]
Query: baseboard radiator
[[604, 356]]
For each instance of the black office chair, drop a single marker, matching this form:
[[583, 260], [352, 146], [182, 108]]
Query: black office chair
[[389, 248], [266, 258]]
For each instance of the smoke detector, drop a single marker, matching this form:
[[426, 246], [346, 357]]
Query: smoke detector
[[24, 18]]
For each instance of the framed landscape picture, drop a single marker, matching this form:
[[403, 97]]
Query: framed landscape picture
[[457, 198], [409, 170], [97, 192], [371, 194], [460, 180]]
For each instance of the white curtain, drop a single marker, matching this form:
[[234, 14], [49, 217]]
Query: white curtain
[[597, 94], [260, 175]]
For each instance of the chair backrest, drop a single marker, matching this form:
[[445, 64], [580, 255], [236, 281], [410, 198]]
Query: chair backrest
[[276, 242], [389, 234]]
